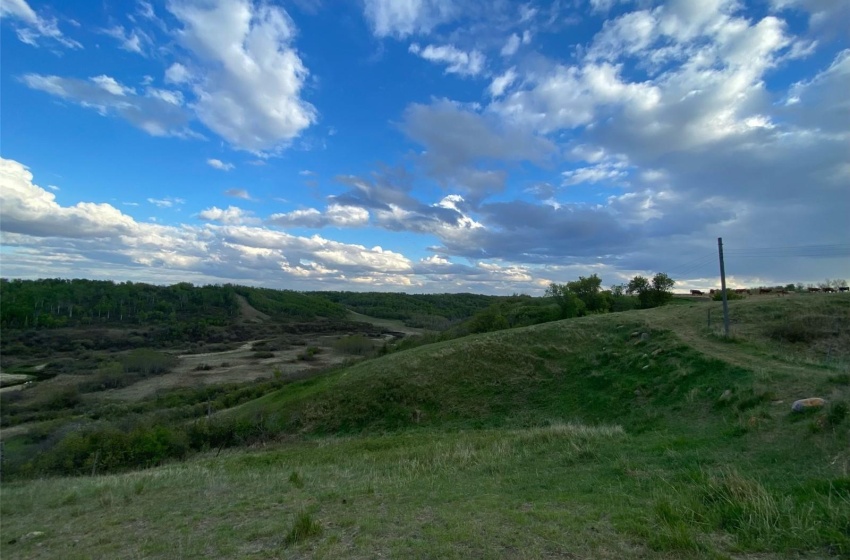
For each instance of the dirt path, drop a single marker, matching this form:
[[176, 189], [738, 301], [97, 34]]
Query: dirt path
[[249, 313], [689, 324]]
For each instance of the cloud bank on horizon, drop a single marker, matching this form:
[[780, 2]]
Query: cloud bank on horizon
[[425, 145]]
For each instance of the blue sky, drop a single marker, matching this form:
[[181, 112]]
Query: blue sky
[[425, 145]]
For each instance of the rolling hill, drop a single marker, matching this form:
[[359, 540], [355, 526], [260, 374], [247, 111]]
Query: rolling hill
[[642, 434]]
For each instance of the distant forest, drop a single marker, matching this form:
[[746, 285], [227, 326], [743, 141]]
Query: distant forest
[[187, 312], [52, 303], [70, 303]]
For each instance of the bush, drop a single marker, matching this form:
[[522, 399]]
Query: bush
[[309, 354]]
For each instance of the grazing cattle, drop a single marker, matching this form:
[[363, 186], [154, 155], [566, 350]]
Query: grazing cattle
[[742, 291], [697, 293], [712, 292], [844, 289], [829, 290], [782, 293], [765, 290], [814, 289]]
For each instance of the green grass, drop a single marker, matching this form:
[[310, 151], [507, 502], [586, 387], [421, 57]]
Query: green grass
[[571, 439], [535, 492]]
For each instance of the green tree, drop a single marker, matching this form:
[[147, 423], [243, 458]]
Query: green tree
[[589, 291], [652, 293], [568, 302], [488, 320]]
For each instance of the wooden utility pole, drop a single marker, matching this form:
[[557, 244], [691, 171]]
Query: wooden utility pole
[[723, 288]]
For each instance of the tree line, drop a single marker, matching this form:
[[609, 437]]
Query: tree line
[[49, 303], [585, 296]]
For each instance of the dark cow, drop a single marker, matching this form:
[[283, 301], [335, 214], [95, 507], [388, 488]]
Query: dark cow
[[712, 292], [697, 293], [844, 289], [765, 290], [829, 290], [742, 291], [814, 289], [782, 293]]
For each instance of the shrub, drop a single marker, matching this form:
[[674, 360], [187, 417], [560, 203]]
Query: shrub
[[309, 354]]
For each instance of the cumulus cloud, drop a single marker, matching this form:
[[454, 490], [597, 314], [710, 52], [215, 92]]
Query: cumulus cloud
[[39, 234], [177, 74], [30, 210], [220, 165], [231, 215], [457, 61], [400, 18], [245, 73], [337, 215], [502, 82], [237, 64], [31, 27]]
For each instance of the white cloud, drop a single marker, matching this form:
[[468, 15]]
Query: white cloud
[[336, 215], [610, 173], [247, 77], [97, 240], [112, 86], [150, 112], [167, 202], [501, 83], [177, 74], [230, 216], [18, 9], [400, 18], [174, 97], [34, 27], [129, 41], [511, 46], [218, 164], [30, 210], [457, 61]]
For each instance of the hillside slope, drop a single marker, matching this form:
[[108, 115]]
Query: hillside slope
[[634, 435], [636, 368]]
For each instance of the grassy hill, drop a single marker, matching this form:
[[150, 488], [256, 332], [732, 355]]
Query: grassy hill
[[642, 434]]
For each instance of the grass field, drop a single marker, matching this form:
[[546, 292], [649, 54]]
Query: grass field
[[635, 435]]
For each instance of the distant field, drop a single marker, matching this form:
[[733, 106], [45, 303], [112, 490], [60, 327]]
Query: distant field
[[643, 434]]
